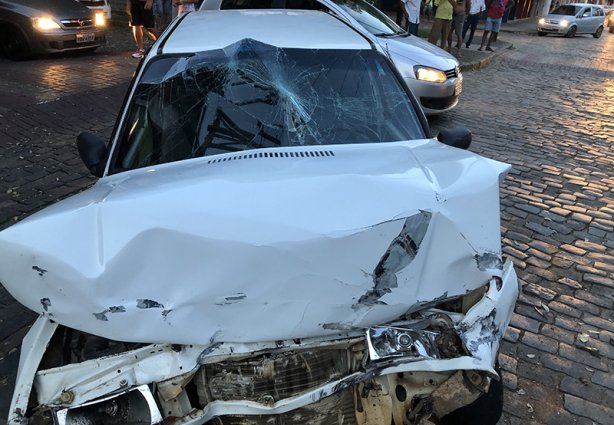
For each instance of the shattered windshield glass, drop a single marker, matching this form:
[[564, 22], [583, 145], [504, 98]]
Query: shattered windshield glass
[[251, 95]]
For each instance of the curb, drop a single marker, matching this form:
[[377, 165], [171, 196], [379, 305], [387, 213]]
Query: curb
[[482, 63], [522, 32]]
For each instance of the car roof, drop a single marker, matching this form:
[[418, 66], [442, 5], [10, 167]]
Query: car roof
[[211, 30]]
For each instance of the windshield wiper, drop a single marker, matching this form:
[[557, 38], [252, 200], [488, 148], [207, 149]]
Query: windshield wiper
[[385, 34]]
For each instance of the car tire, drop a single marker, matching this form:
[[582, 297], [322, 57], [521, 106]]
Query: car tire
[[13, 44], [541, 33], [598, 32], [571, 32]]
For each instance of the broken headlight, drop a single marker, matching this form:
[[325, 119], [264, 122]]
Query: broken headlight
[[431, 338], [135, 407]]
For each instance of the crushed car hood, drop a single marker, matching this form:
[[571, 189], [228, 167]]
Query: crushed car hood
[[262, 245]]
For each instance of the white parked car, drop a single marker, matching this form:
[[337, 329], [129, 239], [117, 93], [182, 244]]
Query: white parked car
[[275, 238], [572, 19], [431, 73], [98, 5]]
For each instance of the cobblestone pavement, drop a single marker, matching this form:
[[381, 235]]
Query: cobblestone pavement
[[547, 107], [544, 107], [44, 104]]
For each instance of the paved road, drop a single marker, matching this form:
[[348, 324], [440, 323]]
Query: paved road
[[44, 104], [544, 107], [547, 107]]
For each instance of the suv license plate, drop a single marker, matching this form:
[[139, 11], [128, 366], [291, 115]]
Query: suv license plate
[[86, 37]]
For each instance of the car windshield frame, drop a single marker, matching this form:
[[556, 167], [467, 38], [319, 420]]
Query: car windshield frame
[[361, 8], [307, 121]]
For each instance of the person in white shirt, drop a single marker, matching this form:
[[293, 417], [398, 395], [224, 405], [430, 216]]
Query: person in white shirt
[[412, 14], [477, 7]]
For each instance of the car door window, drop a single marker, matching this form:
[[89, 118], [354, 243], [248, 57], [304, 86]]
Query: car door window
[[586, 13]]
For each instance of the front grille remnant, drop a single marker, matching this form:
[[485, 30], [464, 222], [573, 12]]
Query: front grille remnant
[[338, 409], [270, 378]]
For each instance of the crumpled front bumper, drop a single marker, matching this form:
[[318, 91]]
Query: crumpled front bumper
[[72, 387]]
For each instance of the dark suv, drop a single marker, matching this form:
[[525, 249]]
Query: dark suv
[[28, 27]]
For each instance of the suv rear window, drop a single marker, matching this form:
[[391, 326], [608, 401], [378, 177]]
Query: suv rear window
[[252, 95]]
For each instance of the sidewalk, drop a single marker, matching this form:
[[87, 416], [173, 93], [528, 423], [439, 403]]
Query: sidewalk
[[471, 58]]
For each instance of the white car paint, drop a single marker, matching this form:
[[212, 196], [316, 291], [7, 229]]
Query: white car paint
[[99, 5], [237, 253], [329, 33]]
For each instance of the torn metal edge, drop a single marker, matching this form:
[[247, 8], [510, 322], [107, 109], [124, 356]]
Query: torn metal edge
[[33, 348]]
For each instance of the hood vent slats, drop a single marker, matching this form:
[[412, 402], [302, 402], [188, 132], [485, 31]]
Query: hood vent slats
[[256, 155]]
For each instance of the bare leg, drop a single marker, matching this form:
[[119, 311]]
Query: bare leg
[[484, 40], [435, 30], [137, 32], [444, 37], [493, 37], [152, 33]]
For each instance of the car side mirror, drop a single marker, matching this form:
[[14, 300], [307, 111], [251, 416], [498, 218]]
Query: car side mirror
[[459, 137], [93, 153]]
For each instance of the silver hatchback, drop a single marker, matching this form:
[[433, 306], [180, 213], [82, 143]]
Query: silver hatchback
[[572, 19]]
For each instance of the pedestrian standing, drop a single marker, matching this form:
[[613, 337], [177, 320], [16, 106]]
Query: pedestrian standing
[[556, 6], [163, 12], [471, 23], [412, 14], [141, 20], [399, 13], [185, 6], [495, 9], [442, 23], [428, 10], [461, 8]]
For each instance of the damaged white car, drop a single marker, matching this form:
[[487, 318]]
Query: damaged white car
[[275, 239]]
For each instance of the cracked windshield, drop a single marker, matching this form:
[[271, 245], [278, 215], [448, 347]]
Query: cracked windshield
[[251, 95]]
